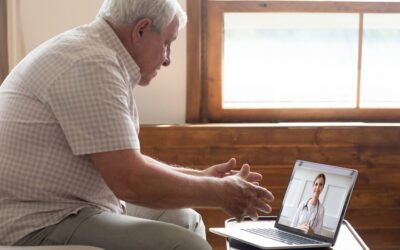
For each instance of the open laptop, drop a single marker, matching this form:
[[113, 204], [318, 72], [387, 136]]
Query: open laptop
[[323, 218]]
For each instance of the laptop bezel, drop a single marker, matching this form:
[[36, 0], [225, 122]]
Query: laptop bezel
[[317, 237]]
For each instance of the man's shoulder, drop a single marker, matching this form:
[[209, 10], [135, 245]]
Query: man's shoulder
[[78, 44]]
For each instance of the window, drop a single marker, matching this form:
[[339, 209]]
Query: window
[[295, 61], [289, 60]]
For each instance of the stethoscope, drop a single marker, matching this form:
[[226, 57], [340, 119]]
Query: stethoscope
[[316, 214]]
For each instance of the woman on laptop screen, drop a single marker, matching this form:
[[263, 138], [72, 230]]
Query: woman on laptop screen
[[310, 213]]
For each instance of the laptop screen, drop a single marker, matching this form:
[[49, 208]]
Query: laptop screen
[[316, 200]]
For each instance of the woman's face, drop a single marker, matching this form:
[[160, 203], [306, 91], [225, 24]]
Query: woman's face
[[318, 187]]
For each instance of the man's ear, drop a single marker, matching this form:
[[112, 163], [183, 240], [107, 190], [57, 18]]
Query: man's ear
[[141, 26]]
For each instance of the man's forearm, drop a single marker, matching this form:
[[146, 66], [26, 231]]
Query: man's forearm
[[144, 181], [171, 187], [184, 170]]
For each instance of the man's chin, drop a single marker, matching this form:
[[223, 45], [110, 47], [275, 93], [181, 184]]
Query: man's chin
[[144, 82]]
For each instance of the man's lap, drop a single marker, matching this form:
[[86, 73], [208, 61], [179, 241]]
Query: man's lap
[[107, 230], [187, 218]]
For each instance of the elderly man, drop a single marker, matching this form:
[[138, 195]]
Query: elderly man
[[69, 147]]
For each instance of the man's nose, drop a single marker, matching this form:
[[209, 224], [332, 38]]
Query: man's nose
[[167, 60]]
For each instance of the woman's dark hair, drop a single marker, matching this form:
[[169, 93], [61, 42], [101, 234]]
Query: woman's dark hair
[[320, 176]]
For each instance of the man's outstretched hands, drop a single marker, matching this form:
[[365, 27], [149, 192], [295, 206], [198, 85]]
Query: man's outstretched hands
[[229, 168], [239, 191]]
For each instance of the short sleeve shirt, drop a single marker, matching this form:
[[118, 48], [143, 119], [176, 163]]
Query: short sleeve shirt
[[70, 97]]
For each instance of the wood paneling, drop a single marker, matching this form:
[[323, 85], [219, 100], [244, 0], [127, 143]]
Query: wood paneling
[[374, 209]]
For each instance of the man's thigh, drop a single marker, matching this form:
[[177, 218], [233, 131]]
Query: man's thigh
[[111, 231], [187, 218]]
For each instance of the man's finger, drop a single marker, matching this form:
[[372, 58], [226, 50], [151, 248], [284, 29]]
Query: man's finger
[[254, 176], [261, 206], [263, 193], [244, 171], [226, 167], [253, 214], [239, 218], [229, 173], [231, 164]]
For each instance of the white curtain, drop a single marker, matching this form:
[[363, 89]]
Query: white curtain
[[16, 48], [3, 41]]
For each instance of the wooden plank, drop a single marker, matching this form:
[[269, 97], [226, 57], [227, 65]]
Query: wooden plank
[[381, 238], [383, 176], [371, 198], [262, 155], [386, 176], [367, 218], [262, 135]]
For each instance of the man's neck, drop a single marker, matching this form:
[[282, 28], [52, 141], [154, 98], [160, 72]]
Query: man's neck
[[123, 33]]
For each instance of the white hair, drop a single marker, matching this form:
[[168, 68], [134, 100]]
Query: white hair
[[161, 12]]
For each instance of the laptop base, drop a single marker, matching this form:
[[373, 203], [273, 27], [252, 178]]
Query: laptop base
[[347, 239]]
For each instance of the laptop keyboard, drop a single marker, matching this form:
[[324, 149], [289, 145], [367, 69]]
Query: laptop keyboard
[[281, 236]]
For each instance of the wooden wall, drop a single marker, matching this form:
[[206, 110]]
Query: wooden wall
[[374, 209]]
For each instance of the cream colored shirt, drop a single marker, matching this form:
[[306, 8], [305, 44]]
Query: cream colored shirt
[[70, 97]]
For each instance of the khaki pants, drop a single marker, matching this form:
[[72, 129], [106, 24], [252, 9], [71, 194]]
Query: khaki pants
[[143, 229]]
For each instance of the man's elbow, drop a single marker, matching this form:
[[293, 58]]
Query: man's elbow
[[123, 172]]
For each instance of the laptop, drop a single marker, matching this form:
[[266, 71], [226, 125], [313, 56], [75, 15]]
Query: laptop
[[311, 214]]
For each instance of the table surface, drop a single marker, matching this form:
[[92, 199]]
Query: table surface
[[347, 238]]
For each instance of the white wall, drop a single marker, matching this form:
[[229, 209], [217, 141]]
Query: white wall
[[34, 21]]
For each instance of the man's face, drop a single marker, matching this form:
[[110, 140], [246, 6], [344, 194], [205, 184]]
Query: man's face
[[152, 50]]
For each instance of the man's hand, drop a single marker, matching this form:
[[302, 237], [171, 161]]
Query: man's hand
[[240, 197], [229, 168]]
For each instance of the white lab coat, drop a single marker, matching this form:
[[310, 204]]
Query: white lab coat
[[305, 213]]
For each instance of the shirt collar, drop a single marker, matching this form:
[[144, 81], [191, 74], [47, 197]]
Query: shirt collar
[[112, 41]]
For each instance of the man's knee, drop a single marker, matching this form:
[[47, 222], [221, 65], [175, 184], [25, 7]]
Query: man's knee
[[187, 218], [193, 243], [156, 235]]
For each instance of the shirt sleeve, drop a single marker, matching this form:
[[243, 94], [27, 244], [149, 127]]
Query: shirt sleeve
[[93, 105]]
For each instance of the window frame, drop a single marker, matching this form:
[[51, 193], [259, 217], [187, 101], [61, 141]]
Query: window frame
[[204, 99]]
